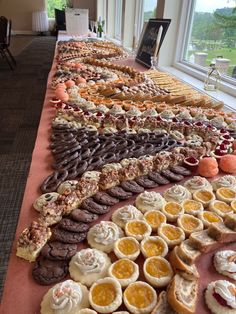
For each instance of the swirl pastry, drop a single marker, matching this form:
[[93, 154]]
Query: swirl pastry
[[103, 236], [89, 265], [125, 214], [177, 193], [224, 262], [227, 181], [149, 201], [197, 183]]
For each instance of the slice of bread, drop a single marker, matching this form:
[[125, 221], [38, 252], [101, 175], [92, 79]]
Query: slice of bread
[[182, 295], [188, 253], [230, 221], [221, 233], [202, 241], [163, 307]]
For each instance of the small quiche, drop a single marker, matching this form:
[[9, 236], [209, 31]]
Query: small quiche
[[189, 224], [226, 194], [154, 246], [140, 298], [125, 271], [127, 247], [172, 211], [157, 271], [171, 234], [208, 218], [154, 218], [192, 207], [139, 229], [220, 208], [105, 295], [204, 197]]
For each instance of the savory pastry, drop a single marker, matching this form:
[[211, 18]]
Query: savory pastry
[[105, 295], [125, 214], [224, 262], [197, 183], [171, 234], [149, 201], [157, 271], [154, 218], [125, 271], [220, 208], [65, 297], [163, 307], [44, 199], [182, 295], [177, 193], [89, 265], [127, 247], [172, 211], [189, 224], [154, 246], [140, 298], [204, 196], [67, 187], [208, 218], [32, 240], [227, 181], [102, 236], [226, 194], [139, 229], [220, 297], [192, 207]]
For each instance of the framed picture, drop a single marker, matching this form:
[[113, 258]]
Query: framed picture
[[150, 43]]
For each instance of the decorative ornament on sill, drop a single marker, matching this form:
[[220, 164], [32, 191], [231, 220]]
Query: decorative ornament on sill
[[100, 27], [212, 81]]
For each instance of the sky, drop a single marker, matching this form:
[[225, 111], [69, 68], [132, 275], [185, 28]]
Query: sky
[[149, 5], [212, 5]]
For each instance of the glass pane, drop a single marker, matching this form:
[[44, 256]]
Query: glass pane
[[55, 4], [118, 19], [149, 9], [212, 38]]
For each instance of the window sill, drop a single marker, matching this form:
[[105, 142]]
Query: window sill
[[220, 95]]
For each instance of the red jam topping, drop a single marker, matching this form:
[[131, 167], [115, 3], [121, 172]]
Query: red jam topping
[[220, 300], [191, 160], [226, 142]]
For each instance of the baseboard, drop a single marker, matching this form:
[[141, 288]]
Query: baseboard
[[16, 32]]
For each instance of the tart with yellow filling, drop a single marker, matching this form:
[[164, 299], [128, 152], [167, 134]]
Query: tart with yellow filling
[[140, 298], [127, 247], [226, 194], [204, 197], [154, 246], [220, 208], [189, 224], [105, 295], [208, 218], [171, 234], [125, 271], [139, 229], [192, 207], [233, 205], [154, 218], [157, 271], [172, 211]]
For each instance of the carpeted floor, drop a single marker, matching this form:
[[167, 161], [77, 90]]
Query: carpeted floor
[[22, 93]]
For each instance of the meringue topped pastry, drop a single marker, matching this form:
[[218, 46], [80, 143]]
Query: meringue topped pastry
[[139, 229], [220, 297], [125, 214], [225, 263], [154, 218], [177, 193], [127, 247], [197, 183], [154, 246], [125, 271], [149, 201], [227, 181]]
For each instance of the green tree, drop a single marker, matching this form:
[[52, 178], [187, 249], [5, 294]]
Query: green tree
[[226, 19], [55, 4]]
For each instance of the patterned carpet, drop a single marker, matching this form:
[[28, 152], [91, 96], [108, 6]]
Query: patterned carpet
[[22, 93]]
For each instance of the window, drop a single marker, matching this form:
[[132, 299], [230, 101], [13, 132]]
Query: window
[[147, 9], [54, 4], [118, 19]]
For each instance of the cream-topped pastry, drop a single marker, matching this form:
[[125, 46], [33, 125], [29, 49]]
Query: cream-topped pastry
[[105, 295], [192, 207], [102, 108], [89, 265], [177, 193], [67, 297], [197, 183], [220, 297], [154, 218], [124, 214], [67, 187], [208, 217], [154, 246], [116, 109], [140, 298], [204, 196], [133, 112], [172, 211], [184, 114], [227, 181], [44, 199], [226, 194], [167, 114], [172, 235], [149, 200], [150, 113], [139, 229], [225, 263], [127, 247], [102, 236], [125, 271], [220, 208]]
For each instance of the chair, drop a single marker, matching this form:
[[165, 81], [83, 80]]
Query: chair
[[60, 19], [5, 38]]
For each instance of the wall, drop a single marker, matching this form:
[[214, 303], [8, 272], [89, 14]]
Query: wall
[[86, 4]]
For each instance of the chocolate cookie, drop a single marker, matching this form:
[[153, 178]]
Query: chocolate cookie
[[58, 251], [105, 199], [67, 236], [119, 193], [180, 170], [132, 186], [159, 179], [145, 182], [73, 226], [93, 207], [47, 272], [82, 215], [172, 176]]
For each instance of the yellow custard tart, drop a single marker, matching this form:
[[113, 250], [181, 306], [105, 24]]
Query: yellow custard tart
[[154, 218], [154, 246], [189, 224], [192, 207], [139, 229], [226, 194], [209, 218], [172, 211], [140, 298], [171, 234], [125, 271], [157, 271], [220, 208], [233, 205], [127, 247], [204, 197], [105, 295]]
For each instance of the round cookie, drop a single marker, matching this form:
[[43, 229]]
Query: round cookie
[[90, 205], [44, 199], [58, 251], [83, 215], [67, 236], [105, 199], [73, 226]]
